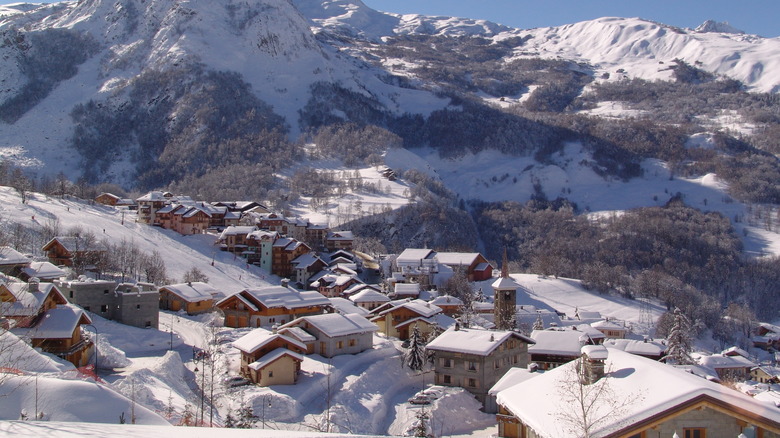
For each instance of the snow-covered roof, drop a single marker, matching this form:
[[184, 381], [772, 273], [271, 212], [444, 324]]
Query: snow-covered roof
[[642, 348], [74, 243], [559, 342], [442, 321], [286, 297], [503, 283], [344, 306], [420, 307], [154, 196], [457, 258], [57, 323], [608, 325], [340, 236], [193, 292], [719, 361], [305, 261], [10, 256], [259, 337], [414, 255], [369, 295], [407, 289], [644, 387], [732, 351], [595, 352], [43, 270], [336, 324], [237, 230], [447, 300], [473, 341], [512, 377], [273, 356], [29, 303], [298, 333]]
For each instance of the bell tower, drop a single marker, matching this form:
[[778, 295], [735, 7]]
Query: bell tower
[[504, 298]]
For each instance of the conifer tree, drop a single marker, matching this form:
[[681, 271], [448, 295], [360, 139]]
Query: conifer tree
[[679, 342], [415, 354], [538, 324]]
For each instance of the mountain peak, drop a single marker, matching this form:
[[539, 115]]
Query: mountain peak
[[720, 27]]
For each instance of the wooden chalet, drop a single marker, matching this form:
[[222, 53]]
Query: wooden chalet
[[270, 358], [67, 250], [193, 297], [267, 306]]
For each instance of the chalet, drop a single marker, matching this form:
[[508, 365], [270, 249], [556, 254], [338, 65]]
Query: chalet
[[336, 334], [11, 260], [655, 400], [473, 264], [115, 201], [369, 298], [234, 238], [305, 266], [417, 265], [555, 347], [73, 250], [148, 205], [266, 306], [767, 336], [765, 374], [193, 297], [22, 304], [283, 251], [424, 265], [610, 329], [336, 240], [130, 304], [475, 359], [259, 248], [397, 318], [731, 368], [269, 358], [243, 207], [333, 285], [405, 290], [315, 234], [449, 305], [58, 332], [648, 348], [43, 271]]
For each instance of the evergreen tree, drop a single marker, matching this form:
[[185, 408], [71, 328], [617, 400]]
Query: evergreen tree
[[679, 342], [246, 416], [415, 354], [230, 420], [538, 324]]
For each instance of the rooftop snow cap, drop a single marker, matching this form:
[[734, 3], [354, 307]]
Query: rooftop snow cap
[[592, 363]]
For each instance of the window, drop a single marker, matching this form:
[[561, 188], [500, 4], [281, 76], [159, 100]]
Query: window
[[104, 308], [105, 291], [497, 364], [471, 366], [340, 344], [447, 380], [71, 294], [694, 432], [446, 363], [138, 306], [352, 342], [270, 373], [148, 323], [472, 383]]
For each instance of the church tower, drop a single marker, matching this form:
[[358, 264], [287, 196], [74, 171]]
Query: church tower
[[504, 299]]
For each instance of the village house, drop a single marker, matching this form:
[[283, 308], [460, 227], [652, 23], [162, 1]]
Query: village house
[[555, 347], [476, 359], [73, 251], [397, 318], [335, 334], [336, 240], [267, 306], [730, 368], [405, 290], [424, 265], [193, 297], [130, 304], [269, 358], [259, 248], [655, 400], [449, 305], [332, 284], [148, 205], [12, 261], [765, 374], [43, 271], [283, 251], [41, 314], [234, 238], [369, 298], [767, 336], [651, 349], [305, 266], [610, 329], [473, 264], [115, 201]]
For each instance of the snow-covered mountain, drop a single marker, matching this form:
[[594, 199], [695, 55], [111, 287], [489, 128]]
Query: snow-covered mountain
[[76, 72]]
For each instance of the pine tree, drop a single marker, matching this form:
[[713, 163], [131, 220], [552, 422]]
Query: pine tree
[[230, 420], [415, 354], [679, 342], [538, 324], [246, 416]]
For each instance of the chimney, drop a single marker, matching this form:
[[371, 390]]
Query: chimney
[[33, 285], [591, 363], [285, 282], [457, 326], [275, 328]]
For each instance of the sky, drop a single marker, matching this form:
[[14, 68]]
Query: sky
[[752, 16]]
